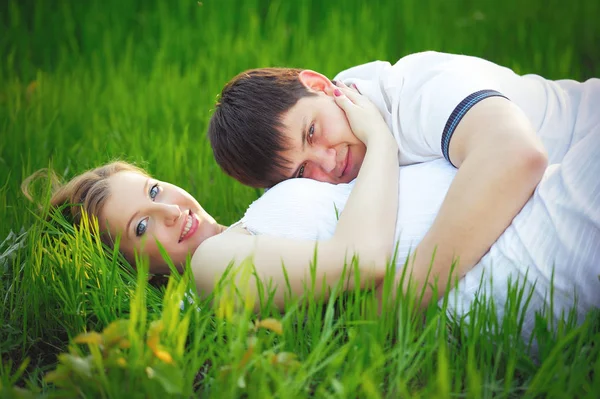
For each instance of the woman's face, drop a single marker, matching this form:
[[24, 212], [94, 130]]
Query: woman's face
[[144, 210]]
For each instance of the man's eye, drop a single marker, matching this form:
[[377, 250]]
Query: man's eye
[[301, 171], [311, 132], [154, 190], [141, 228]]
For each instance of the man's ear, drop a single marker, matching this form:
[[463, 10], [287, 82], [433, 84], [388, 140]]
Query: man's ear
[[315, 81]]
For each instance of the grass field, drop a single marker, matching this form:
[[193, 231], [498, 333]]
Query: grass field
[[84, 82]]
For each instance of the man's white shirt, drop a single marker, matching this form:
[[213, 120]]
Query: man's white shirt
[[421, 95]]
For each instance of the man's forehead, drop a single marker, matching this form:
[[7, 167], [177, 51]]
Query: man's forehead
[[299, 111]]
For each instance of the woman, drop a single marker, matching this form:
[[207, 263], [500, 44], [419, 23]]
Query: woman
[[141, 211]]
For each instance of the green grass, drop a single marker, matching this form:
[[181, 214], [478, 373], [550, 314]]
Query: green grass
[[84, 82]]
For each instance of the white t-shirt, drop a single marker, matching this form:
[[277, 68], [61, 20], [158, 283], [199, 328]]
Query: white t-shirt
[[423, 96]]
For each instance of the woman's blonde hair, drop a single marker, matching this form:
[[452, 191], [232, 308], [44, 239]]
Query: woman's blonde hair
[[86, 192]]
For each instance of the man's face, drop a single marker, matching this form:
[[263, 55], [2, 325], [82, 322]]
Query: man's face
[[322, 144]]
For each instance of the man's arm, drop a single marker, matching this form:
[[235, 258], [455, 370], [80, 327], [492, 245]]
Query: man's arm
[[500, 161]]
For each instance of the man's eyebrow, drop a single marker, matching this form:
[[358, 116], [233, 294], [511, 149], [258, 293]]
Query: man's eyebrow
[[303, 138], [127, 231], [303, 133]]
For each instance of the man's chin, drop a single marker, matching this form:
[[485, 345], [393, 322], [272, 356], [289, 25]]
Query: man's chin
[[348, 178]]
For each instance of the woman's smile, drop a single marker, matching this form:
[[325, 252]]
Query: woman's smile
[[190, 226]]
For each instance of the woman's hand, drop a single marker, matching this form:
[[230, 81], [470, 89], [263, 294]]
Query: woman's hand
[[364, 118]]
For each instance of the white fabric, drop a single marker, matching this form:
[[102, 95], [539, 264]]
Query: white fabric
[[417, 95], [557, 230]]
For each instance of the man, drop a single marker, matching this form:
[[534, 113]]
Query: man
[[493, 125]]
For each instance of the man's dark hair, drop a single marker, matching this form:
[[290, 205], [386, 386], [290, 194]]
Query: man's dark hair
[[246, 131]]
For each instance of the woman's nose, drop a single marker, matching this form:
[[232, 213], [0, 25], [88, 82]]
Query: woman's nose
[[169, 212]]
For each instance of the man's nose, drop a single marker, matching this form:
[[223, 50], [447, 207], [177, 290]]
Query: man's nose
[[325, 158], [168, 212]]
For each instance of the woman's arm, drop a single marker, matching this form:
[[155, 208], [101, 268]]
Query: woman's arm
[[365, 229]]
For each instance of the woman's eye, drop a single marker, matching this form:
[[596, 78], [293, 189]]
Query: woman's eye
[[141, 227], [154, 191], [301, 171]]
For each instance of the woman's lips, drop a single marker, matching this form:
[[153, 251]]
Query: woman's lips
[[193, 227]]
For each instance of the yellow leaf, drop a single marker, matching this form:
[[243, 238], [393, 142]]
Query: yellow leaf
[[122, 362], [271, 324], [115, 332], [164, 356], [91, 338], [154, 335], [153, 343], [155, 327]]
